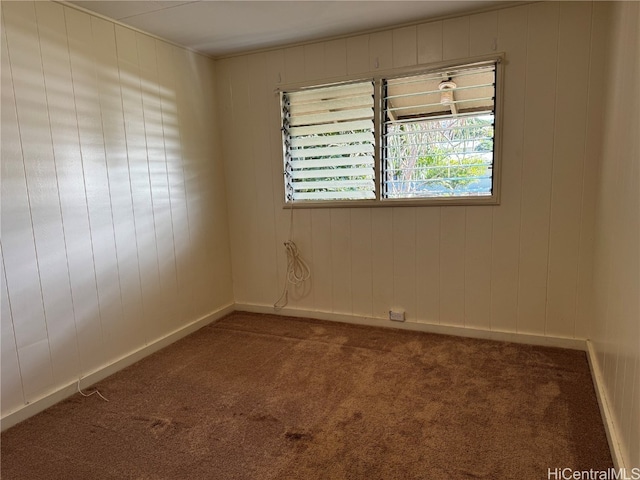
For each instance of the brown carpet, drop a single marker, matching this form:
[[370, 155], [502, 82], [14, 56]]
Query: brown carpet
[[267, 397]]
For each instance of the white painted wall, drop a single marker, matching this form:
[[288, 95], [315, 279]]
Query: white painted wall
[[615, 330], [114, 214], [516, 267], [114, 227]]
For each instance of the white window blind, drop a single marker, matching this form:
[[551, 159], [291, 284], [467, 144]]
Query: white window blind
[[329, 143], [438, 133]]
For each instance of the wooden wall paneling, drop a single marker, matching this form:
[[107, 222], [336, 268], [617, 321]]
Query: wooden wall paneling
[[18, 243], [380, 50], [192, 105], [245, 213], [382, 261], [404, 261], [335, 58], [42, 188], [223, 284], [241, 201], [302, 296], [265, 275], [335, 64], [629, 254], [75, 198], [568, 164], [224, 111], [477, 270], [405, 47], [455, 38], [429, 42], [361, 236], [428, 265], [113, 125], [615, 330], [74, 205], [214, 213], [83, 71], [159, 188], [144, 327], [626, 396], [276, 75], [205, 181], [314, 61], [198, 133], [540, 122], [358, 54], [632, 433], [483, 33], [512, 39], [632, 436], [452, 265], [213, 205], [62, 129], [610, 222], [11, 390], [294, 65], [66, 242], [12, 396], [621, 171], [175, 179], [219, 246], [341, 260], [599, 46], [321, 265], [455, 34], [381, 57], [603, 259], [194, 95], [303, 224]]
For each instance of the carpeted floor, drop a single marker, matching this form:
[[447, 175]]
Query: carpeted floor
[[268, 397]]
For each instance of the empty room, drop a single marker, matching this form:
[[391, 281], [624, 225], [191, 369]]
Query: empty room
[[320, 240]]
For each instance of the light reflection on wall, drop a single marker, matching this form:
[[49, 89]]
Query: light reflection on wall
[[111, 237]]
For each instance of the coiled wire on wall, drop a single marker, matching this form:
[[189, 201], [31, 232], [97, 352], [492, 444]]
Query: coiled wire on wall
[[298, 270]]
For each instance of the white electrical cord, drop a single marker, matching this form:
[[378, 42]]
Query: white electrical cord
[[298, 270], [89, 394]]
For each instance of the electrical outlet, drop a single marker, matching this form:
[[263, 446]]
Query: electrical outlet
[[396, 316]]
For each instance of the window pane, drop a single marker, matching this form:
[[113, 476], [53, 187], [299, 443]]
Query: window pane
[[329, 143], [438, 134]]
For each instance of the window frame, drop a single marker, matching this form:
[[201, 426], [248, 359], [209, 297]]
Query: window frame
[[378, 77]]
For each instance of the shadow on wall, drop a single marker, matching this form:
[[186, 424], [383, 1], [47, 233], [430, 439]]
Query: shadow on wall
[[113, 233]]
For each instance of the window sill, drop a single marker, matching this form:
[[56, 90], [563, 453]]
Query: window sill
[[399, 202]]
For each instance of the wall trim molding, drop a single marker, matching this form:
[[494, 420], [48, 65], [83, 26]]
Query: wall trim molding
[[51, 398], [67, 4], [615, 444], [503, 5], [530, 339]]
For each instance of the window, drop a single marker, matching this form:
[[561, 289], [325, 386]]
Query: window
[[329, 143], [438, 134], [426, 137]]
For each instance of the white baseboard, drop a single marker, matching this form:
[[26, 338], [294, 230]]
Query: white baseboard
[[605, 410], [60, 394], [530, 339]]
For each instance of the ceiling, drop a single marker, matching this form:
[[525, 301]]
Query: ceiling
[[218, 27]]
